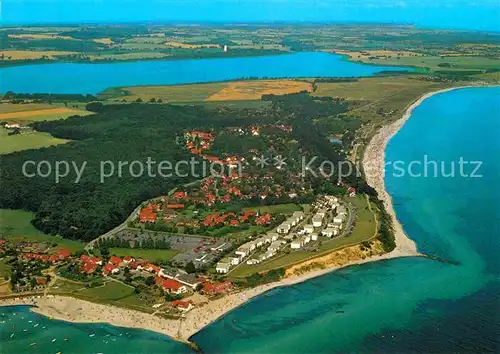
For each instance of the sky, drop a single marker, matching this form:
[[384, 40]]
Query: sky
[[449, 14]]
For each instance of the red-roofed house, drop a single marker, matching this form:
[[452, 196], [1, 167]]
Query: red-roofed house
[[115, 260], [173, 286], [175, 206], [182, 305], [152, 268], [264, 219], [180, 195], [234, 222], [41, 281], [128, 259], [214, 289], [63, 254], [89, 267], [110, 268], [84, 258]]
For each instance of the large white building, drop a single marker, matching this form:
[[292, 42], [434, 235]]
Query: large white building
[[309, 229], [284, 228], [317, 220], [223, 266], [330, 232]]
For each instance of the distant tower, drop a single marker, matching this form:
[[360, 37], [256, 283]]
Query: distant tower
[[225, 48]]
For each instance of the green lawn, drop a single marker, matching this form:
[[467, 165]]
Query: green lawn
[[4, 270], [151, 255], [112, 290], [15, 225], [364, 230], [276, 209], [19, 142], [432, 62]]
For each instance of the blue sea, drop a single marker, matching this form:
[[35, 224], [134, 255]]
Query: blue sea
[[407, 305], [96, 77]]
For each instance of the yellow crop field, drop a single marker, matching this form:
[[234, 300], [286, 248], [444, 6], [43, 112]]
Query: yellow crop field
[[41, 114], [30, 55], [253, 90], [40, 36], [190, 46]]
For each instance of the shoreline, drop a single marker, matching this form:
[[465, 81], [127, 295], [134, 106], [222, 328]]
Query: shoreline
[[374, 169], [70, 309]]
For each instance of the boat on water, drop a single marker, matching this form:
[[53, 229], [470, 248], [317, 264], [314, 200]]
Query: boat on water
[[91, 335], [32, 344], [53, 340], [36, 325], [12, 335]]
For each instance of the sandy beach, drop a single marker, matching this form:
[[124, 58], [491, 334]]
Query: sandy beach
[[76, 310], [374, 169]]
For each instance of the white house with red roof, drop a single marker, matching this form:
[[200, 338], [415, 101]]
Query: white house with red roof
[[173, 287]]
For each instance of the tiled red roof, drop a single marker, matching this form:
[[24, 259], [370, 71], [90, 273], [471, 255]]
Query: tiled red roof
[[170, 284], [181, 304], [115, 260], [210, 288], [89, 267], [108, 268], [175, 206], [63, 254]]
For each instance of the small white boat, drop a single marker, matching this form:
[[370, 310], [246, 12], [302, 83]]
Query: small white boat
[[36, 325], [12, 335], [91, 335], [32, 344], [53, 340], [25, 330]]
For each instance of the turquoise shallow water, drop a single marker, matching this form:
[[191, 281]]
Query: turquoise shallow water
[[400, 305], [93, 78]]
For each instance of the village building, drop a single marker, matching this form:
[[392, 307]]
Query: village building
[[223, 266], [110, 268], [317, 220], [235, 260], [308, 229], [184, 306], [284, 228], [314, 236], [128, 259], [211, 289], [330, 232], [275, 246], [173, 287]]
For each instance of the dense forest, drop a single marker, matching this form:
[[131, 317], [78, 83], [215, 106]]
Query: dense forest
[[138, 132]]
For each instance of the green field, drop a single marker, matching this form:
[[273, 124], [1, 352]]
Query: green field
[[151, 255], [364, 230], [432, 62], [176, 93], [112, 290], [4, 270], [276, 209], [15, 225], [20, 142]]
